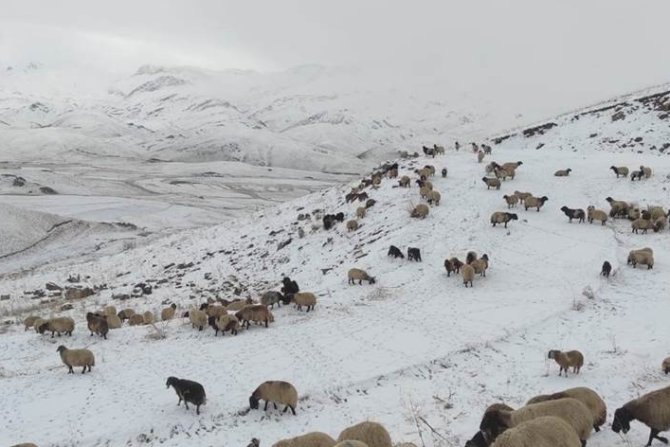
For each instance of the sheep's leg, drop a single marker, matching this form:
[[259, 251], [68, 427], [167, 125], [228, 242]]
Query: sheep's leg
[[197, 409], [266, 322], [266, 406], [83, 370], [275, 405], [70, 370]]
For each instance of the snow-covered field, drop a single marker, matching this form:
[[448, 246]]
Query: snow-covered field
[[414, 349]]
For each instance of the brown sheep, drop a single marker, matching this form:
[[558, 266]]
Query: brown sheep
[[491, 182], [361, 211], [593, 214], [404, 182], [352, 225], [562, 172], [480, 265], [307, 299], [370, 433], [277, 392], [535, 202], [522, 195], [434, 197], [620, 171], [511, 200], [503, 218], [359, 275], [254, 312], [168, 312], [587, 396], [452, 265], [420, 211], [468, 273], [643, 256], [568, 359]]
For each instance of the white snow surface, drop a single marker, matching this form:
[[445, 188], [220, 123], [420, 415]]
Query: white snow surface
[[414, 340]]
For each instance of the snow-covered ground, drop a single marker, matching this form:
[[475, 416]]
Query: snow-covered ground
[[416, 343]]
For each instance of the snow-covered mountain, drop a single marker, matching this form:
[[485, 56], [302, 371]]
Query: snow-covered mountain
[[416, 351]]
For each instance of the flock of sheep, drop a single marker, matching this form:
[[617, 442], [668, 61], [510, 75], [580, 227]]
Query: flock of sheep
[[563, 419]]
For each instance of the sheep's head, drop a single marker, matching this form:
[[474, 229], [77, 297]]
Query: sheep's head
[[61, 348], [492, 425], [478, 440], [372, 280], [553, 354], [614, 168], [565, 209], [171, 381], [621, 422], [253, 402], [512, 216], [568, 170]]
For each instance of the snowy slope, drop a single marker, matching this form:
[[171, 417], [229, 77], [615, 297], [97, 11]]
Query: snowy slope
[[415, 344]]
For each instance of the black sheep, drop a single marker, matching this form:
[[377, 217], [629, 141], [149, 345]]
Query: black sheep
[[339, 217], [395, 252], [370, 203], [188, 391], [574, 214], [328, 221], [606, 270], [413, 254], [444, 172]]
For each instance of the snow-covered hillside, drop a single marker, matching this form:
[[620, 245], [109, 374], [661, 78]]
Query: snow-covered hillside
[[416, 348]]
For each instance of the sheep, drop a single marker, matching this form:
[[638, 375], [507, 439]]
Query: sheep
[[633, 213], [352, 225], [656, 212], [545, 431], [256, 313], [468, 273], [491, 182], [666, 365], [76, 357], [420, 211], [58, 324], [492, 167], [452, 265], [198, 318], [97, 324], [593, 214], [136, 320], [188, 391], [313, 439], [504, 173], [109, 310], [392, 173], [395, 252], [644, 256], [522, 195], [361, 211], [606, 269], [480, 156], [370, 203], [404, 182], [640, 224], [444, 172], [148, 317], [168, 312], [535, 202], [478, 439], [304, 299], [113, 322], [351, 443], [271, 298], [424, 191], [275, 391], [511, 165], [213, 310], [480, 265], [587, 396], [503, 218], [471, 256], [360, 275], [125, 314], [574, 214], [430, 169], [568, 359], [24, 444], [563, 172], [38, 324], [224, 323], [434, 197], [413, 254], [617, 207], [620, 171], [371, 433], [239, 304], [646, 171], [570, 410], [438, 149], [29, 322], [511, 200], [636, 175], [423, 173], [652, 409]]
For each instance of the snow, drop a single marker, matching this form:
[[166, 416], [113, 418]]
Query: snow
[[416, 343]]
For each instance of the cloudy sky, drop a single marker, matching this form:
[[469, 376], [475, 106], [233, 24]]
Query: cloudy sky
[[592, 47]]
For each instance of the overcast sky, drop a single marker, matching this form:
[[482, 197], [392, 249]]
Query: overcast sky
[[593, 46]]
